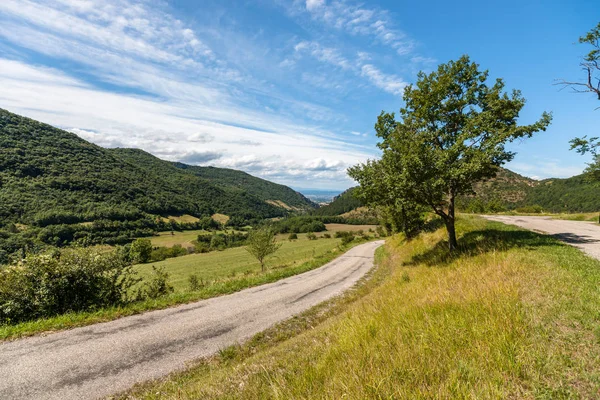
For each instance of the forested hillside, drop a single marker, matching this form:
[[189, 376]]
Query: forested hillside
[[509, 191], [341, 204], [263, 189], [56, 188]]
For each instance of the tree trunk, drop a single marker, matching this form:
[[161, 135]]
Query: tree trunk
[[452, 242]]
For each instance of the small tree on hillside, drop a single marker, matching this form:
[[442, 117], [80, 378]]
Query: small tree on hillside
[[141, 250], [452, 134], [261, 244]]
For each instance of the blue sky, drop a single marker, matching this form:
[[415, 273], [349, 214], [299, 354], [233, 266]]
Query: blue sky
[[286, 90]]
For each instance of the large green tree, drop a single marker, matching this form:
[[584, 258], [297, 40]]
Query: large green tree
[[451, 133]]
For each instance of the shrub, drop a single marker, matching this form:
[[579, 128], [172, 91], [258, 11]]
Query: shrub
[[54, 283], [293, 236], [201, 247], [327, 236], [347, 239], [195, 283], [217, 242], [535, 209], [159, 283], [311, 236], [141, 250]]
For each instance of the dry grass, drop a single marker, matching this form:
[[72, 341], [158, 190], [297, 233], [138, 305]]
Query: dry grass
[[513, 315], [345, 227], [182, 219], [221, 218]]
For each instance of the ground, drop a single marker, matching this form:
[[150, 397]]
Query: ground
[[513, 314]]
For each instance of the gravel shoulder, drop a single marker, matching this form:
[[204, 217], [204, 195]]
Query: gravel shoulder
[[102, 359], [583, 235]]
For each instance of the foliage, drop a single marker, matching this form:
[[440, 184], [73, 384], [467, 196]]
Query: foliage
[[452, 133], [261, 244], [195, 283], [223, 240], [535, 209], [311, 236], [298, 225], [158, 285], [162, 253], [141, 250], [57, 282], [241, 181], [293, 236]]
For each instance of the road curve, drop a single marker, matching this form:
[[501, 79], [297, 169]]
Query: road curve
[[102, 359], [583, 235]]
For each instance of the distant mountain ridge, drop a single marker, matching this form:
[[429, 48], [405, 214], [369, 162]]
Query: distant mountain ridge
[[508, 191], [50, 176]]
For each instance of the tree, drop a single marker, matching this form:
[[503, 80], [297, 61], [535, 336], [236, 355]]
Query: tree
[[590, 64], [261, 244], [141, 250], [452, 133]]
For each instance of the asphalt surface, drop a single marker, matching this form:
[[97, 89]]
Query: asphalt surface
[[583, 235], [103, 359]]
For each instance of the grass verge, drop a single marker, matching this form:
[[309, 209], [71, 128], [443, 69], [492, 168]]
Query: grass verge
[[221, 284], [514, 314]]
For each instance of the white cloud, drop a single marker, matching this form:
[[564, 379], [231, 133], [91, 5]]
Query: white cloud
[[544, 168], [390, 83], [165, 129], [312, 5], [356, 19]]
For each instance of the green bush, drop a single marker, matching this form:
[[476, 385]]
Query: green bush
[[535, 209], [58, 282], [195, 283], [293, 236], [311, 236], [141, 250], [327, 236], [159, 283], [347, 239]]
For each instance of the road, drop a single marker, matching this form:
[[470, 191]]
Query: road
[[99, 360], [583, 235]]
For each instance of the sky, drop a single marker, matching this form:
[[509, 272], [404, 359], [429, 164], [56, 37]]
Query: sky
[[287, 90]]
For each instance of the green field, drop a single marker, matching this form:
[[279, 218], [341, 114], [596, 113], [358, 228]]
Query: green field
[[237, 261], [513, 314]]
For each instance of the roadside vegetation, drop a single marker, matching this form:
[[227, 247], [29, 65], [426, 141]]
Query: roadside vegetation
[[45, 291], [509, 314]]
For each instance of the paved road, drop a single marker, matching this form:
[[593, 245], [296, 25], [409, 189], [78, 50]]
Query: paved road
[[584, 235], [102, 359]]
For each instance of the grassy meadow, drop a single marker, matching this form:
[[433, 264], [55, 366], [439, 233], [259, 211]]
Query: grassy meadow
[[514, 314], [232, 262]]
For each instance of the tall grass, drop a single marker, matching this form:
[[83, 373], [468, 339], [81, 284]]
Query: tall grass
[[514, 315]]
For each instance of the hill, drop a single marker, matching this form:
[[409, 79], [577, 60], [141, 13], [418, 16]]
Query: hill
[[507, 191], [62, 188], [510, 191], [269, 192], [341, 204]]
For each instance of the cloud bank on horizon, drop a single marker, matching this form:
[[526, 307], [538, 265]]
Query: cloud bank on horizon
[[287, 90]]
